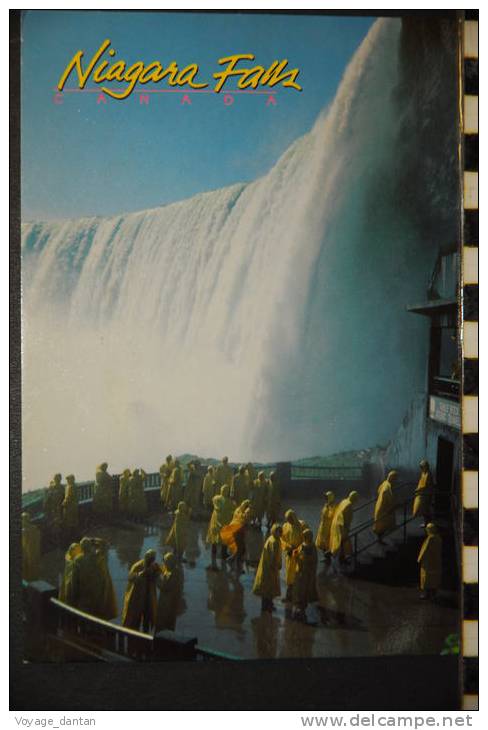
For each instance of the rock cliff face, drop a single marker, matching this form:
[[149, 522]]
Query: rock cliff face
[[429, 189], [426, 97]]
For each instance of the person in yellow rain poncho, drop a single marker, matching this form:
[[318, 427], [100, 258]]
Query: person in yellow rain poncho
[[164, 474], [193, 490], [258, 496], [102, 492], [53, 506], [180, 470], [140, 600], [209, 490], [384, 511], [339, 543], [273, 499], [165, 471], [170, 584], [291, 537], [323, 533], [109, 606], [240, 486], [233, 535], [178, 535], [251, 473], [223, 510], [422, 503], [137, 506], [31, 549], [87, 581], [70, 506], [175, 487], [305, 584], [430, 560], [66, 588], [124, 492], [267, 580], [224, 473]]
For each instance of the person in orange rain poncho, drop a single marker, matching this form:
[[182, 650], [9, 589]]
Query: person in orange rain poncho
[[422, 503], [291, 537], [322, 541], [430, 560], [31, 549], [178, 535], [170, 584], [267, 580], [223, 509], [384, 511], [305, 584], [140, 600], [234, 535], [339, 543]]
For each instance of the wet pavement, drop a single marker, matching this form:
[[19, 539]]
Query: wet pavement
[[354, 617]]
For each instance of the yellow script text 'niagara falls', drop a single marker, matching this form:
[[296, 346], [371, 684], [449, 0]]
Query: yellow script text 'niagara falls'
[[106, 70]]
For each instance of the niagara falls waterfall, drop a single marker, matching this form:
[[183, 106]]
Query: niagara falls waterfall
[[246, 321]]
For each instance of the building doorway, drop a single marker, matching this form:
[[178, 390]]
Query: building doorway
[[444, 475]]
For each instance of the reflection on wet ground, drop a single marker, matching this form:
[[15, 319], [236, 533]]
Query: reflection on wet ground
[[353, 617]]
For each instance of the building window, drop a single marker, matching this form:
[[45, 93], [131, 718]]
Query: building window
[[444, 362]]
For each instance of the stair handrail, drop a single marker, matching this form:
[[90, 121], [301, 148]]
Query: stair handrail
[[403, 525], [354, 535], [401, 485], [370, 523]]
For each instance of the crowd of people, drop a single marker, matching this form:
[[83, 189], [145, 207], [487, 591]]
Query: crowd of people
[[233, 502]]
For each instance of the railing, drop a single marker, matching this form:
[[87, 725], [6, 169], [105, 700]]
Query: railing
[[399, 488], [34, 505], [299, 471], [56, 629], [357, 549], [97, 635], [76, 631], [447, 387], [85, 491], [207, 655], [266, 468], [152, 481]]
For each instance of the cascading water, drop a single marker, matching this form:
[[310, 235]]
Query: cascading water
[[264, 320]]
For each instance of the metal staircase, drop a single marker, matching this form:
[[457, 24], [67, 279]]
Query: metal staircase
[[396, 562]]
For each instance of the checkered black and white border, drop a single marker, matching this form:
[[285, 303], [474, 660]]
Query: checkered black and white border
[[469, 323]]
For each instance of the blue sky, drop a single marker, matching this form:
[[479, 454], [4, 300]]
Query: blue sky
[[82, 159]]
